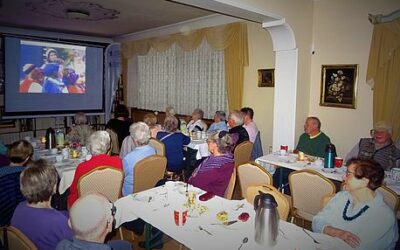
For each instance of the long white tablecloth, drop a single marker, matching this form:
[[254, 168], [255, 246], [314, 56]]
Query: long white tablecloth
[[201, 146], [283, 161], [159, 212]]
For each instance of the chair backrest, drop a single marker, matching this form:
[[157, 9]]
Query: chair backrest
[[158, 146], [390, 197], [148, 172], [105, 180], [308, 187], [231, 186], [10, 196], [242, 153], [114, 141], [252, 173], [16, 239], [257, 147], [283, 203]]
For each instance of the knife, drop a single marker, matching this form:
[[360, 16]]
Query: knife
[[228, 223]]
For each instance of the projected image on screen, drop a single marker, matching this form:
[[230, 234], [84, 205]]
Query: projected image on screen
[[52, 68]]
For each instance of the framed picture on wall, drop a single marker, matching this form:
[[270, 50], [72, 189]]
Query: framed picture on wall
[[339, 85], [266, 78]]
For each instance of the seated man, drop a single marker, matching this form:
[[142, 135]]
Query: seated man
[[249, 124], [238, 132], [313, 141], [91, 219], [380, 147], [219, 123], [99, 146]]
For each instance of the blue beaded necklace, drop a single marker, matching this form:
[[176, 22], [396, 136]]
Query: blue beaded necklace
[[347, 218]]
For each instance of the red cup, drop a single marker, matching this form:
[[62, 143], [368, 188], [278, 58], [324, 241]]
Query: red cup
[[285, 147], [338, 162], [180, 217]]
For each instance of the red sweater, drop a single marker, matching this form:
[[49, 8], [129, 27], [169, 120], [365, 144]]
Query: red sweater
[[85, 167]]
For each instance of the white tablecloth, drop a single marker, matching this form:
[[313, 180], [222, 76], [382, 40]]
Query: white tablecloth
[[201, 146], [159, 212]]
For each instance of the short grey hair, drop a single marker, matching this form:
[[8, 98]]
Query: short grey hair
[[140, 133], [199, 112], [237, 117], [170, 111], [99, 142], [221, 114], [80, 118]]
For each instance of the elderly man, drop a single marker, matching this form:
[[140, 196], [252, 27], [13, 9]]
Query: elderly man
[[140, 134], [219, 123], [197, 124], [235, 122], [313, 141], [99, 146], [91, 219], [249, 124], [380, 147]]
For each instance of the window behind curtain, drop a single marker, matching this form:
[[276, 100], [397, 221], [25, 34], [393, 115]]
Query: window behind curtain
[[185, 80]]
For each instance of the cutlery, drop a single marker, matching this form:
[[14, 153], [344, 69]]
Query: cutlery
[[150, 198], [205, 230], [315, 241], [283, 234], [244, 241], [239, 207], [228, 223]]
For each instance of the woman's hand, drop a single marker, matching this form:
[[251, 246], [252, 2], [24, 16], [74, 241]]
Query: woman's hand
[[348, 237]]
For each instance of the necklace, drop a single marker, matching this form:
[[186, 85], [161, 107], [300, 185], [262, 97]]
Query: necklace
[[350, 218]]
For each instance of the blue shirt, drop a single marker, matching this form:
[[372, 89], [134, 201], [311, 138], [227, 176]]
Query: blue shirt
[[129, 162], [376, 227], [218, 126]]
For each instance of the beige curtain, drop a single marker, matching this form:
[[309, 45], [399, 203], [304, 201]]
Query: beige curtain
[[383, 74], [231, 38]]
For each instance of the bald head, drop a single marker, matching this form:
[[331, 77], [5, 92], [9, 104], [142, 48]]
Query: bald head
[[91, 217]]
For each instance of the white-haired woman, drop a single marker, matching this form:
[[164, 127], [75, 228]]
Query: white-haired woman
[[197, 124], [81, 131], [237, 131], [99, 147], [140, 134]]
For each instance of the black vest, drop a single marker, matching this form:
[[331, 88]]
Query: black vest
[[386, 156]]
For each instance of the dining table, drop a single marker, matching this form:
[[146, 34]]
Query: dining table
[[203, 228], [201, 146], [274, 161]]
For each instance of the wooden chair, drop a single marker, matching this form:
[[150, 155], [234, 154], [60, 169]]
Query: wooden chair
[[231, 185], [114, 142], [390, 197], [148, 172], [252, 173], [105, 180], [308, 187], [242, 153], [15, 239], [283, 203], [158, 146]]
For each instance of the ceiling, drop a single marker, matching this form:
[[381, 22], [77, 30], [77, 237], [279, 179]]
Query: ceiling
[[103, 18]]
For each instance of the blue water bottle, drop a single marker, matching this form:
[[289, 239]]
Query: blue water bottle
[[330, 154]]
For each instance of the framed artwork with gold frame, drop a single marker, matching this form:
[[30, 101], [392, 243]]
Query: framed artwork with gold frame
[[266, 78], [339, 85]]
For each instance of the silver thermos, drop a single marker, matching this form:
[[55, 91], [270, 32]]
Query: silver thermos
[[267, 219]]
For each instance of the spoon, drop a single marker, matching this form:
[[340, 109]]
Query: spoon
[[315, 241], [244, 241]]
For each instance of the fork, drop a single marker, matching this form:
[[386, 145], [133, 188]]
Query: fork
[[315, 241], [205, 230]]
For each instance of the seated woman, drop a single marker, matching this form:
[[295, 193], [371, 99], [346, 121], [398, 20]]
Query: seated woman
[[151, 121], [99, 146], [197, 124], [35, 217], [174, 142], [214, 173], [358, 215], [81, 131], [19, 154], [219, 123]]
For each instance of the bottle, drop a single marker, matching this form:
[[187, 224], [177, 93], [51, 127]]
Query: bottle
[[267, 219], [330, 154], [50, 138], [59, 138]]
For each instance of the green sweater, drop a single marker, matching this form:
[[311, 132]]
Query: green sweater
[[315, 146]]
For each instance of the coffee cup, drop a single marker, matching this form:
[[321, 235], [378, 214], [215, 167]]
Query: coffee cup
[[318, 162], [284, 147], [180, 216], [59, 158], [54, 151], [338, 162]]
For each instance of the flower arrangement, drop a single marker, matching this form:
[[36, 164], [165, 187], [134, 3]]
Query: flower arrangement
[[337, 85]]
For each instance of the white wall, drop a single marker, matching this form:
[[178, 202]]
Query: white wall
[[342, 35]]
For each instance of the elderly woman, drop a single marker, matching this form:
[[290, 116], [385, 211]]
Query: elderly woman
[[81, 131], [151, 121], [358, 215], [35, 217], [219, 123], [174, 142], [140, 134], [99, 147], [197, 124], [214, 173], [238, 132], [19, 154]]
